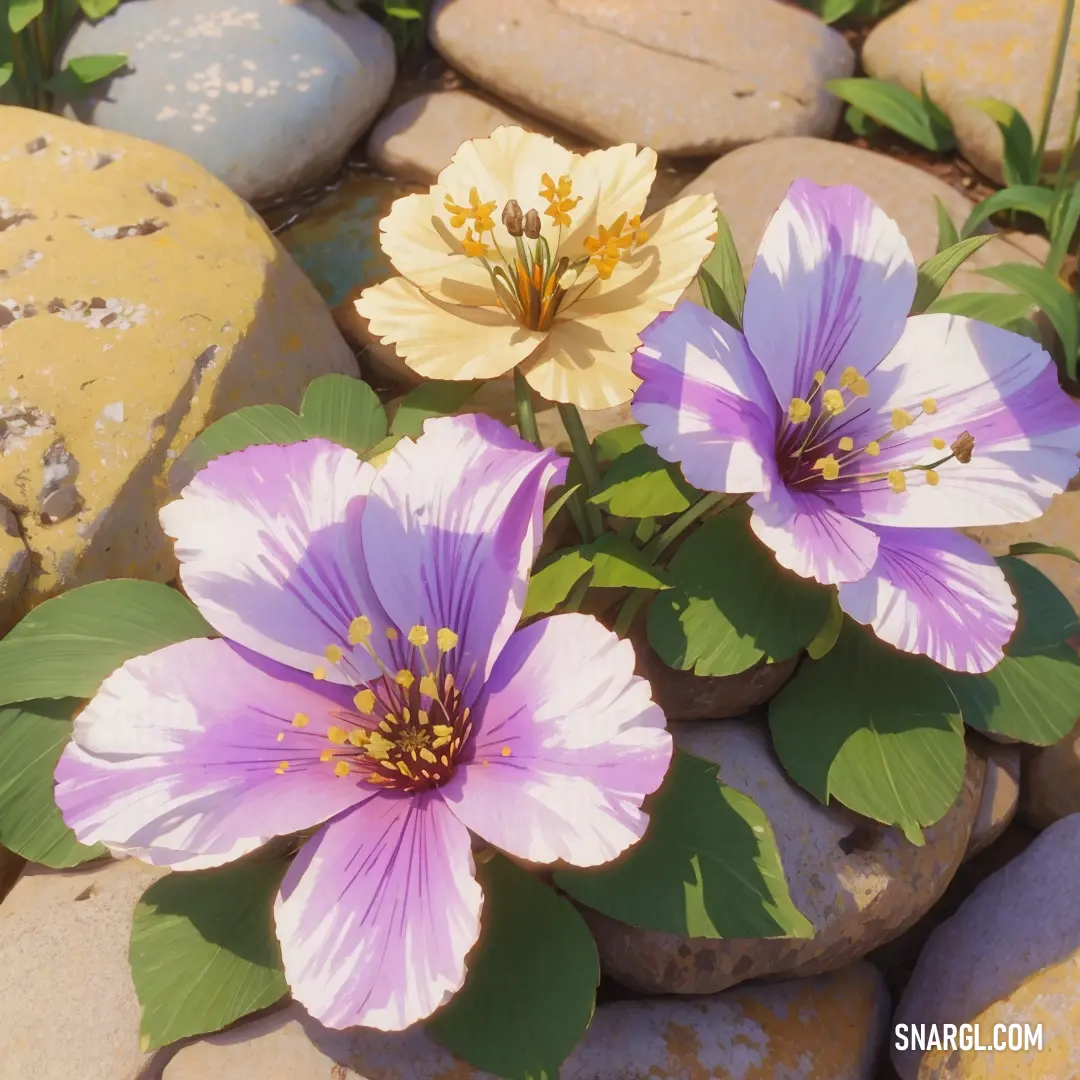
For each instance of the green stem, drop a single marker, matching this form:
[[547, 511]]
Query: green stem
[[583, 453], [526, 416], [1059, 243], [1061, 47], [630, 607]]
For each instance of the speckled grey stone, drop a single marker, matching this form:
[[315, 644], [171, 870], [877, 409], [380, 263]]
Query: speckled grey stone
[[268, 95], [686, 77]]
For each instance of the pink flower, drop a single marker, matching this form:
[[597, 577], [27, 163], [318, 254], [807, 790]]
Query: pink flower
[[372, 681], [864, 435]]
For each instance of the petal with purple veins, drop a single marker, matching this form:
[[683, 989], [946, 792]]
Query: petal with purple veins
[[935, 592], [568, 744], [378, 911], [705, 402], [190, 757], [830, 288]]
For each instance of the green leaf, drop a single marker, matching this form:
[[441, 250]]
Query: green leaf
[[721, 278], [939, 119], [5, 72], [1033, 547], [255, 425], [641, 484], [404, 13], [384, 446], [947, 235], [1034, 694], [550, 585], [860, 123], [1062, 225], [531, 988], [203, 951], [82, 72], [21, 13], [1019, 165], [829, 11], [1043, 289], [66, 646], [618, 564], [344, 410], [875, 729], [936, 271], [1000, 309], [829, 633], [615, 442], [1038, 201], [97, 9], [732, 605], [896, 108], [430, 399], [707, 867], [552, 512], [32, 736]]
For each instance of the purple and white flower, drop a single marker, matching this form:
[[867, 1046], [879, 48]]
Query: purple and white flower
[[371, 681], [864, 435]]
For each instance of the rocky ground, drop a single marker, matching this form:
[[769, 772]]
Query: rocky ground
[[160, 301]]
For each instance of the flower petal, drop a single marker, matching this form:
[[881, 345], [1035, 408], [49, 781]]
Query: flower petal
[[267, 540], [1000, 387], [830, 288], [705, 402], [935, 592], [176, 759], [568, 744], [452, 527], [418, 240], [811, 537], [626, 175], [445, 341], [377, 913]]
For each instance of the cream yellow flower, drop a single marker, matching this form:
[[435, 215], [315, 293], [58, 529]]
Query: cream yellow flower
[[524, 253]]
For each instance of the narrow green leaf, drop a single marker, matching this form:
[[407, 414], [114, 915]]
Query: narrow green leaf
[[875, 729], [345, 410], [1018, 150], [1038, 201], [66, 646], [551, 584], [721, 278], [860, 123], [939, 120], [21, 13], [256, 425], [32, 737], [947, 235], [1000, 309], [531, 988], [640, 484], [1033, 547], [552, 512], [1062, 225], [934, 274], [832, 10], [404, 13], [1043, 289], [895, 108], [97, 9], [430, 399], [5, 72], [829, 633], [618, 564], [203, 951], [707, 867], [732, 605], [81, 73]]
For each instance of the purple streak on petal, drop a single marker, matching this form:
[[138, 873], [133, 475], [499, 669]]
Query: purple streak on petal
[[175, 758], [268, 540], [377, 912], [451, 529], [705, 402], [810, 537], [585, 745], [935, 592], [830, 288]]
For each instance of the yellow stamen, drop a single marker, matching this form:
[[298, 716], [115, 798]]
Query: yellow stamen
[[860, 387], [505, 751], [932, 478], [427, 755], [404, 770], [848, 377], [387, 724], [446, 639], [358, 736], [319, 673], [378, 747], [301, 720], [873, 448], [798, 410], [901, 419], [897, 481], [404, 678], [326, 755], [846, 443], [829, 466], [282, 766], [341, 768], [333, 654], [422, 716], [938, 444], [418, 635], [359, 630], [929, 406], [336, 735], [428, 686], [281, 736], [364, 700], [819, 378], [391, 634], [473, 247], [833, 401]]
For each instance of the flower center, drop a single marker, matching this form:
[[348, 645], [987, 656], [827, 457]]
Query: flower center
[[532, 281], [812, 445]]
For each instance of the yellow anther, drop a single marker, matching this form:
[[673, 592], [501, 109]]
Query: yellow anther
[[364, 700], [422, 716], [428, 687], [337, 735], [897, 481], [378, 747], [391, 634], [442, 730], [386, 725], [448, 683], [474, 247], [392, 766], [833, 401], [405, 678], [427, 755], [848, 377], [301, 720], [819, 377], [932, 478], [404, 770], [282, 766], [444, 760], [326, 755], [829, 467], [901, 419], [873, 448], [341, 768], [798, 410], [418, 635], [505, 751], [860, 387], [358, 736], [281, 736], [846, 443], [938, 444], [406, 716], [929, 406], [446, 639], [319, 673], [333, 653], [359, 630]]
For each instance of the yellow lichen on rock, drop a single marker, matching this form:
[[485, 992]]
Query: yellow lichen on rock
[[140, 300]]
